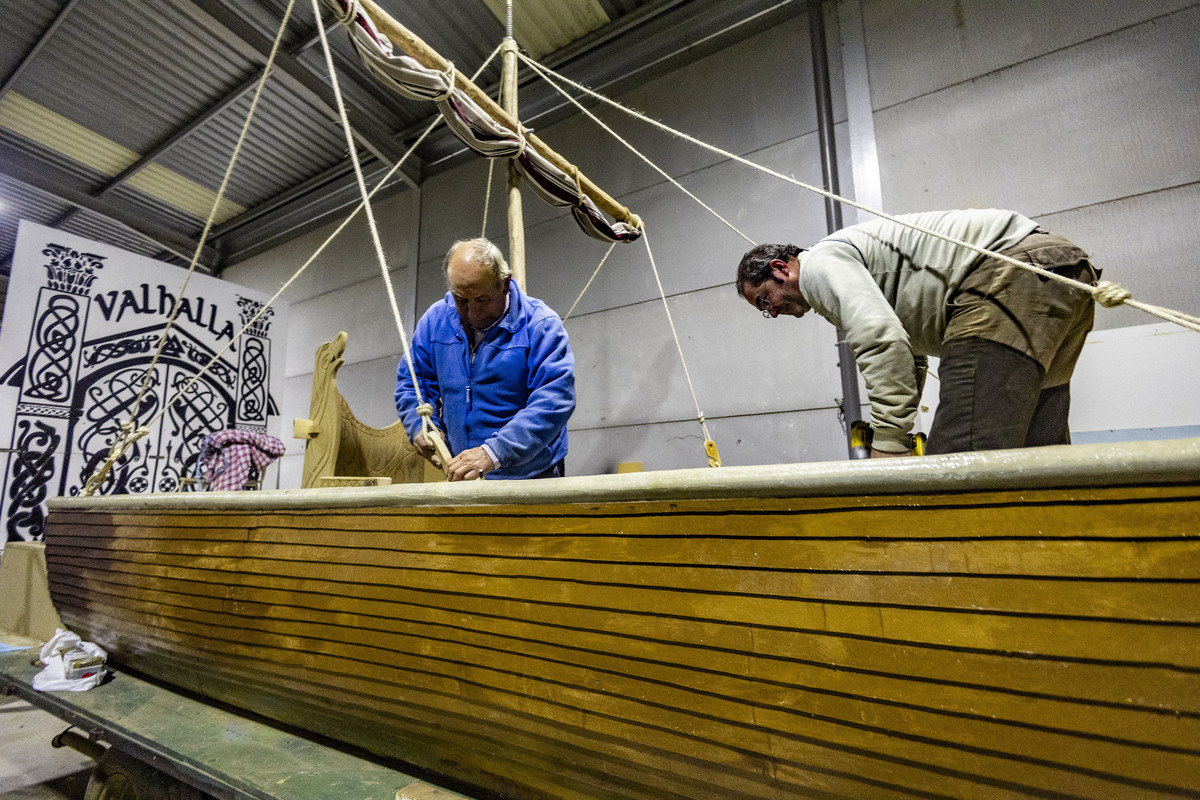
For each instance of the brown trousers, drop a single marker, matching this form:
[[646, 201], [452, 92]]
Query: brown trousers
[[1012, 340]]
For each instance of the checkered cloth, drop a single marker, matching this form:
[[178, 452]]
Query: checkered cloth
[[226, 457]]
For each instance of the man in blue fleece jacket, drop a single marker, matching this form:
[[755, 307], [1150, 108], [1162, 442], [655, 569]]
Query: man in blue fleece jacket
[[496, 366]]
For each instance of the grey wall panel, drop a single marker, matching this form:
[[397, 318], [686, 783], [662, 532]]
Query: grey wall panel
[[362, 310], [922, 46], [692, 249], [431, 284], [369, 387], [628, 368], [290, 470], [294, 404], [1112, 117], [452, 206], [769, 439], [752, 95], [1148, 244], [349, 259]]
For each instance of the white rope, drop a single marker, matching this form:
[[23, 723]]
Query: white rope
[[1106, 293], [129, 434], [678, 346], [362, 188], [589, 283], [594, 274], [537, 68], [312, 258], [212, 214], [487, 196]]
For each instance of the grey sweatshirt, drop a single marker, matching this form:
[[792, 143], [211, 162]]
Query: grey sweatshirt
[[887, 286]]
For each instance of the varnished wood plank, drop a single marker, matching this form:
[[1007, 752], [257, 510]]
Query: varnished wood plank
[[958, 635], [1101, 639], [1023, 743], [643, 636]]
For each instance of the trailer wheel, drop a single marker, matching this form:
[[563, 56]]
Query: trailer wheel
[[122, 777]]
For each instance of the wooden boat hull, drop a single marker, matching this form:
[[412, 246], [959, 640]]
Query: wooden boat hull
[[977, 626]]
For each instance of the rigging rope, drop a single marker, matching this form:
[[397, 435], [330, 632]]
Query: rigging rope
[[537, 68], [710, 447], [596, 272], [425, 410], [362, 188], [129, 433], [487, 197], [316, 253], [1106, 293]]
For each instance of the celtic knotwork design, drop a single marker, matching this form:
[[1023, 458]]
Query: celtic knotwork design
[[189, 351], [197, 413], [106, 405], [107, 351], [53, 357], [37, 410], [168, 476], [248, 308], [253, 403], [33, 469], [70, 270], [173, 348]]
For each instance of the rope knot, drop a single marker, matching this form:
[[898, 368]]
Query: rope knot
[[347, 15], [1111, 295], [425, 410], [578, 186], [448, 75], [522, 142]]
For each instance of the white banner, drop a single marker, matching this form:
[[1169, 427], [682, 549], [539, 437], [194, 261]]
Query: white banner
[[82, 321]]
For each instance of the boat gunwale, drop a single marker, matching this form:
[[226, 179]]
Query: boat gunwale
[[1157, 462]]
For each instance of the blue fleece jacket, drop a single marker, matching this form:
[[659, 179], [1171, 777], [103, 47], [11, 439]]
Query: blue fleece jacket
[[515, 396]]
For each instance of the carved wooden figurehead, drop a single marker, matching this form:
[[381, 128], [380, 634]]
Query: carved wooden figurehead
[[341, 450]]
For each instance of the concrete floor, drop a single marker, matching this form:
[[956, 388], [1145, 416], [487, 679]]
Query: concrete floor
[[30, 768]]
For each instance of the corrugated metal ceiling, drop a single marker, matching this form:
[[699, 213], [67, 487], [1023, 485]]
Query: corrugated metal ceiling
[[117, 119]]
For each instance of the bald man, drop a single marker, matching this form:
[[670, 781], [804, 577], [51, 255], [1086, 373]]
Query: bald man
[[496, 365]]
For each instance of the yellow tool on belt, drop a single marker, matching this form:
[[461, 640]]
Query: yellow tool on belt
[[861, 436]]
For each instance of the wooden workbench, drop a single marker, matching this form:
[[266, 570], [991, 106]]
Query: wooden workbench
[[218, 752]]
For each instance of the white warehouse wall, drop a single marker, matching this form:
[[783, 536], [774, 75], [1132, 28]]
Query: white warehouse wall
[[1080, 115], [341, 290]]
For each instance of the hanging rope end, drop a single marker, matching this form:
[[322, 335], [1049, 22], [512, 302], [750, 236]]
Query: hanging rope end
[[714, 456]]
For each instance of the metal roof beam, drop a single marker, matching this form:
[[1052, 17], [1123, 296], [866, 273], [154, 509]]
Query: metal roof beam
[[370, 134], [189, 128], [46, 178], [656, 38], [63, 13]]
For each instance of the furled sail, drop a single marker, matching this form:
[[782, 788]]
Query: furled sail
[[480, 129]]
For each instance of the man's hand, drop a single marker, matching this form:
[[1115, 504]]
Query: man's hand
[[884, 454], [426, 449], [469, 465]]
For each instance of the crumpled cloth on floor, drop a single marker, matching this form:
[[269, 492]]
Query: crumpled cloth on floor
[[226, 457]]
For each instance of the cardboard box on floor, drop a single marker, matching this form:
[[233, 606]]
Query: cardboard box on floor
[[25, 607]]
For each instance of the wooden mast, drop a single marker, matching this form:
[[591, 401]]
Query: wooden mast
[[508, 95], [425, 55]]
